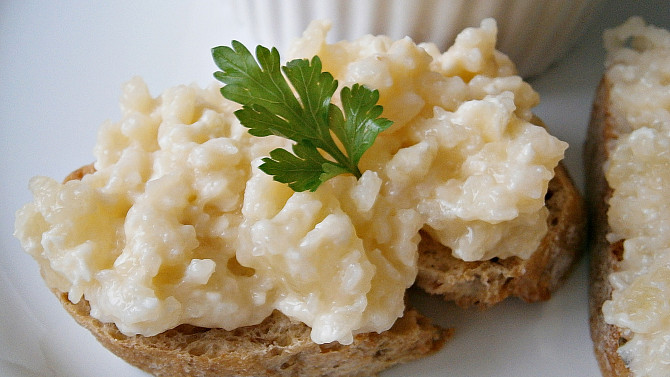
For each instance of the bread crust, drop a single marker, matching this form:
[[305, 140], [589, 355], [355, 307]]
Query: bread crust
[[276, 347], [485, 283], [605, 256]]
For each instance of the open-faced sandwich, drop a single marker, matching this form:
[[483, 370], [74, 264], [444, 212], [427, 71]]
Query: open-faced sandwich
[[627, 159], [273, 225]]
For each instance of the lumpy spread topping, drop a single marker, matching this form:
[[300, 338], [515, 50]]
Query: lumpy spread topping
[[637, 171], [178, 225]]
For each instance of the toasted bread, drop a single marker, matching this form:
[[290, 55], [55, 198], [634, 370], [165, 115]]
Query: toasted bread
[[247, 352], [605, 256], [276, 347], [186, 349], [485, 283]]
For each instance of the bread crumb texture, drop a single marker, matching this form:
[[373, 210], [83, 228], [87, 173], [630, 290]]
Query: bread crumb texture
[[278, 346]]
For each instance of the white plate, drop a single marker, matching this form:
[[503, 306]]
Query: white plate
[[61, 68]]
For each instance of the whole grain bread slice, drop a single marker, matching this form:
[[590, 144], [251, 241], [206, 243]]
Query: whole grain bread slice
[[276, 347], [605, 256], [484, 283], [281, 347]]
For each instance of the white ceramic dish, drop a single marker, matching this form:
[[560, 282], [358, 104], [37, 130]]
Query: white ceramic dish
[[533, 33], [62, 67]]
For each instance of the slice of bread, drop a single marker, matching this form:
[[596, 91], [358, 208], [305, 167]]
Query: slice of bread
[[276, 347], [485, 283], [605, 256], [280, 347], [626, 162]]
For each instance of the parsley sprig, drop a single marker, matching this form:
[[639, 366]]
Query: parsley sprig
[[270, 107]]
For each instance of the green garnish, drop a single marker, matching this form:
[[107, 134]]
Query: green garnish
[[270, 107]]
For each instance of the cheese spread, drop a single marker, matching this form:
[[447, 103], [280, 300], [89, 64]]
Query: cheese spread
[[639, 70], [178, 224]]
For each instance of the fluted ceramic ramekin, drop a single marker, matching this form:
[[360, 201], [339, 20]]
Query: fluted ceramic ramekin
[[533, 33]]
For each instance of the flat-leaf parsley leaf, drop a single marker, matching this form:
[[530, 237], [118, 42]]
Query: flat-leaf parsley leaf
[[270, 107]]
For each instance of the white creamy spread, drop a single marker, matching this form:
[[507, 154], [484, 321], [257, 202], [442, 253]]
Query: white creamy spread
[[178, 225], [639, 173]]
